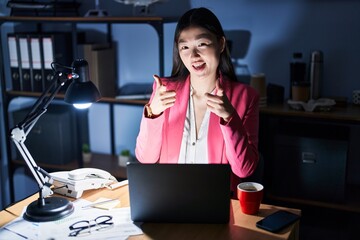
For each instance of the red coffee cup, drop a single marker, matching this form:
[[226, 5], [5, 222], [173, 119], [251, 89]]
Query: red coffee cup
[[250, 195]]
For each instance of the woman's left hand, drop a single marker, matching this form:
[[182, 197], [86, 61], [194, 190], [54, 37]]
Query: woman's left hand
[[219, 103]]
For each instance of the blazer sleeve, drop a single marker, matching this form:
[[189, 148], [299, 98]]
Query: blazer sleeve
[[149, 139], [241, 134]]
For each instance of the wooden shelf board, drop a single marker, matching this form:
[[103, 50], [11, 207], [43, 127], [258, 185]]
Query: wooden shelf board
[[108, 19], [350, 113], [14, 94], [65, 167]]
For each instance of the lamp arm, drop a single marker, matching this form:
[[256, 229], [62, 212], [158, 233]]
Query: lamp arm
[[44, 100], [44, 180], [20, 132]]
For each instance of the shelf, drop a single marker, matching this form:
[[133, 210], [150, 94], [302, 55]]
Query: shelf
[[350, 113], [13, 94], [140, 19], [124, 101], [53, 167]]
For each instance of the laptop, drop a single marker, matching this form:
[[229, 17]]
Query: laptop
[[179, 193]]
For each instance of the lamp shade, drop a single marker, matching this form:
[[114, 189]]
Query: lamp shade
[[81, 90]]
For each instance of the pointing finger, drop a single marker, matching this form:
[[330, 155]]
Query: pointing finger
[[220, 91]]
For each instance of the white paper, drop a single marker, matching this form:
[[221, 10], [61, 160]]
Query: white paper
[[19, 228], [122, 228]]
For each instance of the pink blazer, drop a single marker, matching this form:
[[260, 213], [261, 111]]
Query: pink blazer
[[234, 143]]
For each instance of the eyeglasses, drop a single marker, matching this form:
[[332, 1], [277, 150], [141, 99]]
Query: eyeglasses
[[83, 228]]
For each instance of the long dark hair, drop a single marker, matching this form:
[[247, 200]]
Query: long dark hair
[[204, 18]]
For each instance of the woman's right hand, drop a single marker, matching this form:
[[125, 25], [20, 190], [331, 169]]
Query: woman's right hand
[[162, 99]]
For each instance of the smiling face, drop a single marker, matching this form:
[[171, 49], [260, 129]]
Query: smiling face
[[200, 51]]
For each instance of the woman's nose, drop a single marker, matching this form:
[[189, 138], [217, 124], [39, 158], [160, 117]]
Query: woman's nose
[[194, 53]]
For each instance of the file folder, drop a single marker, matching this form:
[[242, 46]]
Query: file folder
[[25, 76], [14, 62], [56, 47], [48, 58], [35, 63]]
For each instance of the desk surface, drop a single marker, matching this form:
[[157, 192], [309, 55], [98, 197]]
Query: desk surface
[[241, 226]]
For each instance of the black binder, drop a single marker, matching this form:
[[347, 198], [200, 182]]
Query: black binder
[[56, 47], [25, 74], [35, 63], [14, 62]]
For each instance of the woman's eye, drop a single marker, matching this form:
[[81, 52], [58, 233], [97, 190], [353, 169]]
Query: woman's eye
[[183, 47], [203, 44]]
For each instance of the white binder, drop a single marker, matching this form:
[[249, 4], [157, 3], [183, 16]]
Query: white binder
[[25, 75], [36, 63], [14, 62]]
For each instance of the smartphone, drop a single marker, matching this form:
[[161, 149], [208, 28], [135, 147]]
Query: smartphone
[[277, 221]]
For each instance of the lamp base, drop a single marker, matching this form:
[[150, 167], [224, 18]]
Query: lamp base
[[54, 208]]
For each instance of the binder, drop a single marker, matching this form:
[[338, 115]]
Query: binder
[[35, 63], [47, 59], [56, 47], [102, 61], [14, 62], [25, 75]]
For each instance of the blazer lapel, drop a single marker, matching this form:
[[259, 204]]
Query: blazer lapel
[[216, 143], [176, 117]]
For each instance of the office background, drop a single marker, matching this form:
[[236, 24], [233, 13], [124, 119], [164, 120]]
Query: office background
[[275, 29]]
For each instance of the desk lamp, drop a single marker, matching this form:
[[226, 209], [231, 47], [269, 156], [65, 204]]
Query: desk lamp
[[81, 91]]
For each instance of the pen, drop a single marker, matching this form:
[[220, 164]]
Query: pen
[[99, 203]]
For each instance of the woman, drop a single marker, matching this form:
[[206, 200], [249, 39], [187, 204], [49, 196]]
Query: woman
[[201, 114]]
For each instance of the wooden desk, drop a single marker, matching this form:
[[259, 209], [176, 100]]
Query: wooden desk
[[241, 226]]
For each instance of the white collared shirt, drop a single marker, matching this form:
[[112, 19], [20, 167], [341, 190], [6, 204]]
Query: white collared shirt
[[194, 150]]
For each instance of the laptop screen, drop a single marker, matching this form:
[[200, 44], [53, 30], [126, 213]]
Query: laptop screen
[[182, 193]]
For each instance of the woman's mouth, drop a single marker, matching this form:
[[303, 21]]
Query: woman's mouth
[[199, 66]]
